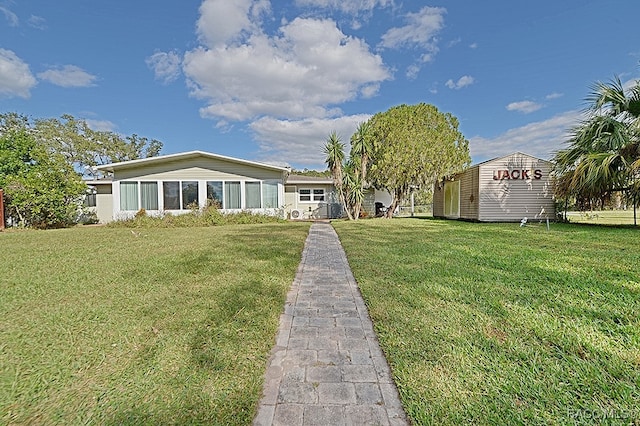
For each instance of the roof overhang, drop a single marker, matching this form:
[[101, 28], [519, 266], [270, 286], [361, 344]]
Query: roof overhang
[[184, 156]]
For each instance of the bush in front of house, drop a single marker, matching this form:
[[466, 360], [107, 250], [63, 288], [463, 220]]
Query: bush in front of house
[[208, 216]]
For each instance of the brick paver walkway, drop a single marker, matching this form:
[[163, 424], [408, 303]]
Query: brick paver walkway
[[327, 367]]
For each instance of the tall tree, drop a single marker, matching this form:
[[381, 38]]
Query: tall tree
[[86, 148], [604, 149], [41, 188], [334, 151], [414, 146]]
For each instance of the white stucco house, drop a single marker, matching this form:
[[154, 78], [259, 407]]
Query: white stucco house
[[177, 183]]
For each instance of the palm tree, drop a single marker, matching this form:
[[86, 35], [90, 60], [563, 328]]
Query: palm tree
[[361, 152], [604, 150], [334, 150]]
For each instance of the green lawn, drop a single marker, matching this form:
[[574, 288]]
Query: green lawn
[[497, 324], [151, 326]]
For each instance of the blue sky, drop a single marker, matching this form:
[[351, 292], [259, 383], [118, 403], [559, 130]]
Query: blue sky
[[269, 80]]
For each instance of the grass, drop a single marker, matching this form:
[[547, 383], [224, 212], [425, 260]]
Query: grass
[[497, 324], [603, 217], [152, 326]]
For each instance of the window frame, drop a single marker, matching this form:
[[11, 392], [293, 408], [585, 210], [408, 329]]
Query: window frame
[[315, 195]]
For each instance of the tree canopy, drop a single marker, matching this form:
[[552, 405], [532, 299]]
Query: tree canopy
[[405, 148], [413, 147], [41, 189], [603, 153], [86, 148]]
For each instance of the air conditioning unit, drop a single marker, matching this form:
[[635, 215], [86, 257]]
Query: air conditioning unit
[[296, 214]]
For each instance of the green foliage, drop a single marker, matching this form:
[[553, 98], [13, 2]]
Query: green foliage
[[603, 155], [313, 173], [41, 189], [208, 216], [413, 147], [334, 151], [41, 165], [86, 148]]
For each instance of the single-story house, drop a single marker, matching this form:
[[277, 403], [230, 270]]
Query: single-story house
[[504, 189], [177, 183]]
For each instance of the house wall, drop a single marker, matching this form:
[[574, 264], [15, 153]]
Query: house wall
[[469, 200], [104, 203], [515, 187], [328, 208]]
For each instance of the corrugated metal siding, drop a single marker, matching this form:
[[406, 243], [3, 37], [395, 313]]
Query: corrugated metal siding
[[510, 200], [197, 169], [469, 194]]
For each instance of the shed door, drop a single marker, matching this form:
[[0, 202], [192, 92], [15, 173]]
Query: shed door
[[452, 199]]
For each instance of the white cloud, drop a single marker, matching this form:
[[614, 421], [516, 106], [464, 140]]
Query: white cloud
[[165, 65], [347, 6], [37, 22], [525, 107], [540, 139], [420, 31], [15, 76], [554, 95], [68, 76], [464, 81], [473, 46], [301, 141], [11, 17], [224, 21], [300, 73], [412, 71], [101, 125]]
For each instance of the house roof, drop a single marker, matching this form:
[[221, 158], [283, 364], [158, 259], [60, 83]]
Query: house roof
[[186, 155], [309, 180]]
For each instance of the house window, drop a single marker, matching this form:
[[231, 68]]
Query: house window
[[149, 195], [232, 195], [308, 195], [171, 195], [270, 195], [252, 195], [129, 196], [189, 194], [214, 193], [305, 195]]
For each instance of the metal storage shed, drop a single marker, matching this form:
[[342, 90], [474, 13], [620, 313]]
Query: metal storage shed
[[504, 189]]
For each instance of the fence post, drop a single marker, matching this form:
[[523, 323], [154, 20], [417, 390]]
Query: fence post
[[1, 210]]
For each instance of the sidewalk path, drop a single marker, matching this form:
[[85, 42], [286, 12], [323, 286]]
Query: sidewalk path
[[327, 367]]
